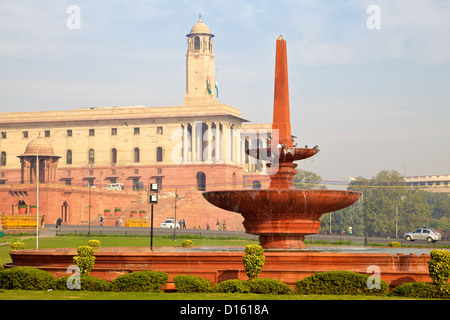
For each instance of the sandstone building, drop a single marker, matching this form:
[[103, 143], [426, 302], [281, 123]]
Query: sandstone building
[[186, 149]]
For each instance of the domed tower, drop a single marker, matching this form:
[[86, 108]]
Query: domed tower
[[39, 149], [200, 66]]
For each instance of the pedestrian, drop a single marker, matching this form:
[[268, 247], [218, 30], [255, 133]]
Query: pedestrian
[[101, 221], [58, 223], [43, 222], [207, 226], [119, 222], [218, 224], [350, 230], [224, 225], [184, 224]]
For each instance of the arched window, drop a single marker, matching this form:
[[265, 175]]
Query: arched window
[[197, 43], [256, 185], [136, 155], [69, 157], [159, 154], [201, 181], [91, 156], [3, 159], [114, 156]]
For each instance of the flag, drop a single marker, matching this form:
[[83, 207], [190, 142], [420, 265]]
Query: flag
[[208, 86], [352, 179], [217, 90]]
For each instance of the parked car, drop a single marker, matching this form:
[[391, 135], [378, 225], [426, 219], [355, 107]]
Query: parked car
[[423, 234], [114, 186], [169, 223]]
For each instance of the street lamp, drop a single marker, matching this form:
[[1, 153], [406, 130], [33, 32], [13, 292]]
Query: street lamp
[[152, 199]]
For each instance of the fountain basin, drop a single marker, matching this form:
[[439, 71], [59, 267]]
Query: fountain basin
[[282, 217], [282, 154]]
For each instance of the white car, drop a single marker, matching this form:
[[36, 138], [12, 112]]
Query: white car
[[114, 186], [169, 223]]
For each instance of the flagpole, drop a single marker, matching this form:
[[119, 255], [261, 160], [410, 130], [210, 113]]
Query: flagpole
[[37, 200]]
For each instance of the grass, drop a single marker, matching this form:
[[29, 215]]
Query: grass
[[112, 241], [85, 295]]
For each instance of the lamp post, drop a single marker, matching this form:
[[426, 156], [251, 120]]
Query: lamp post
[[152, 199], [89, 222], [37, 200]]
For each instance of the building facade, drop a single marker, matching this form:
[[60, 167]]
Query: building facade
[[186, 149]]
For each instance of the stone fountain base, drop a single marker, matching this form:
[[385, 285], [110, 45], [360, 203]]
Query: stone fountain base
[[219, 264]]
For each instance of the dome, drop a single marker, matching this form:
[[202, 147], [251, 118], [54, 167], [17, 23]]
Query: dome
[[200, 27], [40, 146]]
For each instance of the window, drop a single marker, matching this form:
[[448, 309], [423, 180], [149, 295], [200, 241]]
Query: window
[[137, 130], [3, 159], [159, 170], [136, 155], [25, 134], [114, 156], [256, 185], [114, 131], [91, 156], [69, 133], [201, 181], [69, 157], [47, 133], [159, 182], [159, 154], [3, 135], [90, 172], [197, 43], [136, 171], [91, 132], [159, 130]]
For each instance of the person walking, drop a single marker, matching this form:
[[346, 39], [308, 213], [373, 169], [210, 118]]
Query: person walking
[[101, 221], [43, 222], [218, 224]]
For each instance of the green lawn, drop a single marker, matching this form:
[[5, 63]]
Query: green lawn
[[111, 241], [85, 295]]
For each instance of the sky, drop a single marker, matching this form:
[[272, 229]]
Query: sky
[[368, 80]]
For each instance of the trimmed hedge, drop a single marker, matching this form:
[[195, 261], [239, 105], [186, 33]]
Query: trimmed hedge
[[25, 278], [140, 281], [421, 290], [268, 286], [338, 282], [189, 283], [253, 260], [85, 259], [88, 283], [439, 266], [232, 286]]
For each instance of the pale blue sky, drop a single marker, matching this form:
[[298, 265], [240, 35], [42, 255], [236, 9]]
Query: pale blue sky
[[371, 99]]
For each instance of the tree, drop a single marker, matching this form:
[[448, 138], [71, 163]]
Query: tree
[[307, 180]]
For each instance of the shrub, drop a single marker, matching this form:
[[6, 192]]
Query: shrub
[[189, 283], [17, 245], [140, 281], [25, 278], [394, 244], [338, 282], [421, 290], [232, 286], [94, 243], [439, 267], [268, 286], [253, 260], [85, 259], [88, 283], [187, 243]]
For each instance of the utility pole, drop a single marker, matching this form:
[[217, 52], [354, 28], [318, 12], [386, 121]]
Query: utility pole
[[175, 222]]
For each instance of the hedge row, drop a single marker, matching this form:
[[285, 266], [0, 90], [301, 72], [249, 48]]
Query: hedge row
[[332, 282]]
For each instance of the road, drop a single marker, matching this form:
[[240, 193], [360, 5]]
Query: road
[[83, 229]]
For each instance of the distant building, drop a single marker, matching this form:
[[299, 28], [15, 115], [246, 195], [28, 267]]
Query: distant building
[[435, 183], [191, 148]]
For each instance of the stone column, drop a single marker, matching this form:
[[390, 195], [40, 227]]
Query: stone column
[[185, 142], [193, 142], [209, 143]]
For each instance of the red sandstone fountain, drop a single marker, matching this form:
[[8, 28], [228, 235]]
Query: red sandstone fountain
[[281, 216]]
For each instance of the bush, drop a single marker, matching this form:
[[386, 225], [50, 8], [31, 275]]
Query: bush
[[17, 245], [253, 260], [189, 283], [421, 290], [338, 282], [25, 278], [439, 267], [85, 259], [268, 286], [140, 281], [232, 286], [88, 283], [94, 243], [187, 243], [394, 244]]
